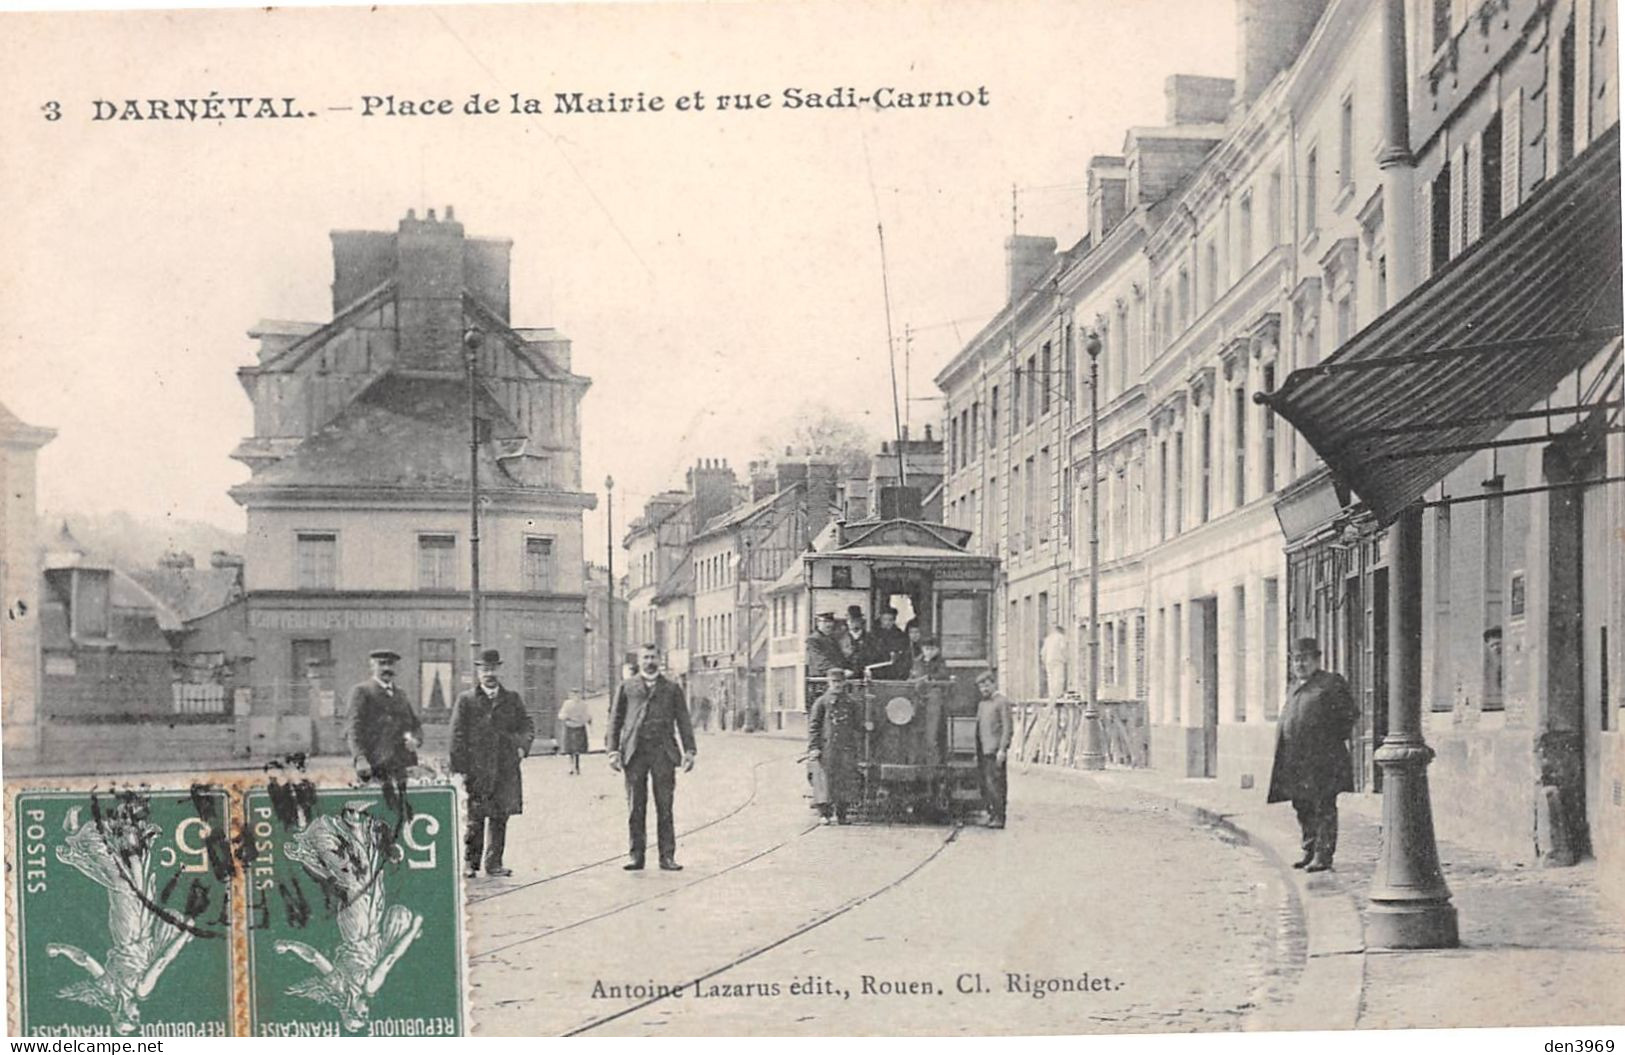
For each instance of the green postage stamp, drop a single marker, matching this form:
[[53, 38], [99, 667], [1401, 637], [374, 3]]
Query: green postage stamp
[[354, 912], [123, 913]]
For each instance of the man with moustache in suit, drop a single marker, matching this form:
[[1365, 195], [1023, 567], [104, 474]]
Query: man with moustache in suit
[[648, 717], [382, 730]]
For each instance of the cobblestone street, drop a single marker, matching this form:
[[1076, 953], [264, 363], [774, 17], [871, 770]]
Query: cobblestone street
[[781, 926]]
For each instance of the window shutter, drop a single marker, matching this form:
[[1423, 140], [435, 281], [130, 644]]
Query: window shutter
[[1511, 151]]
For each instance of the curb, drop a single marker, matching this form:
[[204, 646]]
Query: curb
[[1331, 986]]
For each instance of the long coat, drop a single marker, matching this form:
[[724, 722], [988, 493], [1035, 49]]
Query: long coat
[[489, 738], [891, 647], [832, 733], [824, 654], [1311, 741], [661, 707], [377, 723]]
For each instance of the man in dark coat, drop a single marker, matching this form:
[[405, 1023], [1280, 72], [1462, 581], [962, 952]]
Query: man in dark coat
[[890, 645], [491, 733], [824, 652], [381, 728], [648, 717], [1312, 762], [929, 663], [833, 743]]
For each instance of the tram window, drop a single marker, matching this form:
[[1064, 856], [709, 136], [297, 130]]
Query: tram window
[[840, 577], [963, 626]]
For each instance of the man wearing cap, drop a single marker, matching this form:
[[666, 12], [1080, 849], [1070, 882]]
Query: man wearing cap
[[832, 750], [491, 733], [994, 730], [649, 716], [824, 648], [1312, 763], [929, 663], [382, 729]]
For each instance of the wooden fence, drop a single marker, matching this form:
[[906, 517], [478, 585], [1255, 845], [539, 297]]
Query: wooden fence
[[1051, 733]]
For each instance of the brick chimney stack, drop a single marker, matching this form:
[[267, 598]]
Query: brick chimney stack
[[712, 483]]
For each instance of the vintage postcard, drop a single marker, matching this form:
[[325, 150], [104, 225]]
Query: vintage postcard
[[844, 518]]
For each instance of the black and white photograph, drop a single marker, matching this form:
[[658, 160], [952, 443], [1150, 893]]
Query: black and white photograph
[[851, 518]]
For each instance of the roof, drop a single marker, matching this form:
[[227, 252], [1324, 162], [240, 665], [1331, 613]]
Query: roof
[[191, 592], [401, 431], [136, 620], [1420, 390], [679, 582], [743, 513]]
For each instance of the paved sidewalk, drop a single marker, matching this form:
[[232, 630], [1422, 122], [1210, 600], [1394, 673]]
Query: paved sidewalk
[[1539, 946]]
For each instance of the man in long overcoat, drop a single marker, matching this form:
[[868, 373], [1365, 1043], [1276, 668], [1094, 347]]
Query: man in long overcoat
[[833, 743], [891, 646], [382, 729], [648, 717], [491, 733], [1312, 761], [824, 652]]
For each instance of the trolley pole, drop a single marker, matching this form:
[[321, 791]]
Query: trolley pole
[[471, 351], [1093, 756], [609, 551]]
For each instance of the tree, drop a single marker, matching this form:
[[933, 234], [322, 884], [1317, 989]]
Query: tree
[[815, 427]]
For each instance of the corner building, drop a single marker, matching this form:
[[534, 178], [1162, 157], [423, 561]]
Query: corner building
[[358, 506]]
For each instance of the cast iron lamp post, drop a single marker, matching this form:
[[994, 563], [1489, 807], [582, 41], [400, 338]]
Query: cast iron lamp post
[[472, 338], [1093, 756]]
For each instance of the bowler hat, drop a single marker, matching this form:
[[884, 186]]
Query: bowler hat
[[490, 658], [1306, 646], [854, 609], [835, 674], [826, 615], [384, 653]]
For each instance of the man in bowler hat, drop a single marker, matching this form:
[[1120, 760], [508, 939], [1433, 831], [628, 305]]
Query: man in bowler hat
[[491, 733], [383, 730], [1312, 763], [648, 717]]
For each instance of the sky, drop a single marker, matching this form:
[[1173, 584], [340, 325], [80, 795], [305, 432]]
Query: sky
[[713, 268]]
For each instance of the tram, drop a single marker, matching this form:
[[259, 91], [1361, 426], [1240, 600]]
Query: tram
[[917, 735]]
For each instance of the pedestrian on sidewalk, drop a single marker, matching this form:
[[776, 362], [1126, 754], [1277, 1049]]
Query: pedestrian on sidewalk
[[577, 720], [648, 717], [832, 750], [994, 730], [491, 733], [1312, 761], [382, 729]]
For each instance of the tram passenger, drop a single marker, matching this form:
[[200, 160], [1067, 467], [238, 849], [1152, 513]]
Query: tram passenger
[[890, 645], [915, 632], [858, 638], [823, 649], [929, 663], [832, 750]]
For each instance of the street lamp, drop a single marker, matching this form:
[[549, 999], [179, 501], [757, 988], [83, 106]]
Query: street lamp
[[1093, 755], [472, 338], [609, 548]]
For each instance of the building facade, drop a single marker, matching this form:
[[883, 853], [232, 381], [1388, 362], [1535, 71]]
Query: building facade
[[358, 506], [20, 578]]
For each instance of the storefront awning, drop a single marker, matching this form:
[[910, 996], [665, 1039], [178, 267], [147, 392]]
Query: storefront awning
[[1440, 375]]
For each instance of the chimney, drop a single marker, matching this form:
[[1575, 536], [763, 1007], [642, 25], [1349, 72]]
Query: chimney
[[1026, 258], [1270, 34], [175, 560], [821, 494], [1198, 100], [712, 483], [1108, 194], [763, 480]]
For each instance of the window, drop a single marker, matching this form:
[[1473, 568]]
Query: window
[[1207, 466], [1015, 403], [1162, 489], [1031, 503], [1032, 389], [316, 561], [962, 626], [311, 660], [1439, 235], [1070, 365], [437, 562], [538, 569], [1244, 231], [1212, 275], [1125, 373], [1045, 369], [1044, 493], [1494, 569], [436, 687], [1239, 403], [1345, 144], [1179, 482], [1184, 298], [1274, 206], [953, 442], [1566, 100], [976, 426], [1442, 13], [1345, 319], [1168, 315], [1269, 433], [993, 417], [1443, 698], [1121, 660], [1238, 653], [1016, 505], [1489, 173], [1311, 190], [1272, 649]]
